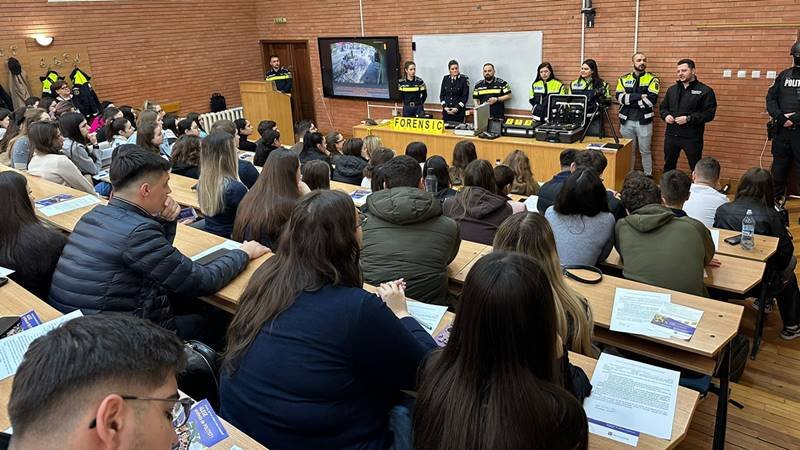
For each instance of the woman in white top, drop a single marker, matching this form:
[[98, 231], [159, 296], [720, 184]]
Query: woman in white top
[[118, 131], [49, 163]]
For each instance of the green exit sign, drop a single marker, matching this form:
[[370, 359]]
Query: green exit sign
[[280, 20]]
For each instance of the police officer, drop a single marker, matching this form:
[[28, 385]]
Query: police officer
[[596, 91], [686, 108], [783, 104], [545, 85], [454, 94], [412, 91], [637, 93], [280, 75], [492, 90]]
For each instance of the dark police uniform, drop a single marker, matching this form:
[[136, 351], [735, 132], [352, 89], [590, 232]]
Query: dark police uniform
[[413, 93], [454, 94], [282, 78], [699, 104], [497, 87], [783, 97], [540, 92], [581, 86]]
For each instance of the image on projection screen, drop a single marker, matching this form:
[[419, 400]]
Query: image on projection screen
[[359, 70]]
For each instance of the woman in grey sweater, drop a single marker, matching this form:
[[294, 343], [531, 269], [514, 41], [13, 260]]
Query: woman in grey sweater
[[582, 223]]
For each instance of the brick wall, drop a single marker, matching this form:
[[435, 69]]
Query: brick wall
[[668, 31], [163, 50]]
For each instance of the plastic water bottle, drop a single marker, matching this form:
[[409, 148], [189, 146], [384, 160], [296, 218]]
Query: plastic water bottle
[[748, 230], [431, 182]]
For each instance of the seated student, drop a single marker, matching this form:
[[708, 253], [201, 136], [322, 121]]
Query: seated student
[[524, 181], [595, 159], [16, 144], [704, 198], [219, 190], [170, 123], [440, 170], [195, 117], [99, 125], [464, 152], [656, 247], [530, 234], [27, 247], [5, 121], [270, 140], [371, 144], [498, 386], [417, 150], [549, 190], [504, 177], [756, 193], [265, 125], [334, 141], [400, 217], [248, 174], [301, 128], [150, 136], [118, 131], [32, 102], [124, 396], [267, 206], [313, 360], [188, 126], [477, 208], [675, 191], [317, 175], [581, 222], [349, 166], [63, 107], [244, 129], [49, 163], [185, 157], [79, 146], [120, 257], [314, 149], [379, 157]]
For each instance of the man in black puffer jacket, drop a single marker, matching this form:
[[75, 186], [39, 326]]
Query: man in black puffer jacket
[[120, 257]]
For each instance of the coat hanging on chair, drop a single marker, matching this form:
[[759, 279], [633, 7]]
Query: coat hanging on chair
[[18, 83], [83, 96]]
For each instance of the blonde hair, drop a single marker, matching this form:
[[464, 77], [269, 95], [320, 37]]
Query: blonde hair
[[530, 234], [524, 182], [372, 143], [219, 166]]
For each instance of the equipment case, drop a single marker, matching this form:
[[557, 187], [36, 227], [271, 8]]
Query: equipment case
[[566, 119]]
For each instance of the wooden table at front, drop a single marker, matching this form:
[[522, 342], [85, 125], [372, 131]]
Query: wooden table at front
[[17, 301], [543, 155]]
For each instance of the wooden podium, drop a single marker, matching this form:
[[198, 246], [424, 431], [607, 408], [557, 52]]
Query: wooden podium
[[261, 101]]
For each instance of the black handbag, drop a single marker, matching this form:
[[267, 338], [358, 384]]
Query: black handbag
[[200, 379], [566, 268]]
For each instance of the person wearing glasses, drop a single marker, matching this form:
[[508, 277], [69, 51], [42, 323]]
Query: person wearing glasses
[[99, 382]]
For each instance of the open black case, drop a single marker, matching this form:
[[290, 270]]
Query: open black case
[[566, 119]]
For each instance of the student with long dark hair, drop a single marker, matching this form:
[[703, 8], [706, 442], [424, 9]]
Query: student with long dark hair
[[170, 124], [118, 131], [442, 173], [267, 206], [314, 148], [372, 179], [49, 163], [524, 181], [334, 141], [5, 121], [464, 153], [27, 247], [497, 383], [270, 140], [218, 188], [477, 208], [149, 136], [581, 220], [313, 360], [244, 129], [185, 156], [78, 145], [504, 177], [350, 164]]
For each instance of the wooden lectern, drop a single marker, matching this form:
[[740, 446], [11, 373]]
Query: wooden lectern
[[261, 101]]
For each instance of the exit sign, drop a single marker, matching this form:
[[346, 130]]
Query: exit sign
[[280, 20]]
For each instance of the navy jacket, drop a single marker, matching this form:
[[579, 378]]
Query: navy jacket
[[325, 373], [222, 223], [248, 173], [119, 258], [549, 191], [349, 169]]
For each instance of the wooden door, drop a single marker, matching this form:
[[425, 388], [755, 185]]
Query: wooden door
[[294, 56]]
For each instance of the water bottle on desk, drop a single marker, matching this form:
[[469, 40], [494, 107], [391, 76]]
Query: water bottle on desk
[[748, 230], [431, 182]]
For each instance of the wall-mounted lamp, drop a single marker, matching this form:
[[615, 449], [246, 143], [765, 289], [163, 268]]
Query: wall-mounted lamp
[[589, 13], [44, 41]]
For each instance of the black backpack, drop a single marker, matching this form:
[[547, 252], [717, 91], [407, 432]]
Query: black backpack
[[217, 102], [200, 379]]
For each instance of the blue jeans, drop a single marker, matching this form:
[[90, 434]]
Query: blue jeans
[[400, 425]]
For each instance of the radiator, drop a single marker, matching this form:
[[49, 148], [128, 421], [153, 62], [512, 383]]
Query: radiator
[[208, 119]]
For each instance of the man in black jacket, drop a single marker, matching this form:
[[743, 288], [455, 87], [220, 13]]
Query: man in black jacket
[[120, 257], [686, 108], [783, 104]]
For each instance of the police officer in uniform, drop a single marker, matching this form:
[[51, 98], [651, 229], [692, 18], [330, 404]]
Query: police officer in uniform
[[280, 75], [637, 93], [545, 85], [492, 90], [454, 94], [783, 104], [596, 91], [412, 91]]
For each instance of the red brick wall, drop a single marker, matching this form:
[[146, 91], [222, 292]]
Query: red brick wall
[[668, 31], [158, 49]]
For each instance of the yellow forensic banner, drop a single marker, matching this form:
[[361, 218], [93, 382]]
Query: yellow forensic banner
[[417, 125]]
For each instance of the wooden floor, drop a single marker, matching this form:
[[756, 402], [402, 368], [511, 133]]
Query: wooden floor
[[769, 389]]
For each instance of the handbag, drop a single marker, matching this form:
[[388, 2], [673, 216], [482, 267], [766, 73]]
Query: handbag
[[200, 378]]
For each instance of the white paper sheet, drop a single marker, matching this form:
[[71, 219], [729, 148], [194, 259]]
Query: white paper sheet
[[359, 196], [69, 205], [228, 244], [634, 310], [677, 320], [632, 395], [427, 315], [5, 272], [13, 348], [715, 238]]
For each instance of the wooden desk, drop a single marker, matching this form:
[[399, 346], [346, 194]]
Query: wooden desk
[[765, 247], [17, 301], [182, 191], [543, 155]]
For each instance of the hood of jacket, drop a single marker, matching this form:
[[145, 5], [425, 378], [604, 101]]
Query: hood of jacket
[[480, 202], [649, 218], [404, 205], [349, 165]]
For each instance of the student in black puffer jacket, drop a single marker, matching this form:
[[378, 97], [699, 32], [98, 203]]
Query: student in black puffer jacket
[[350, 165]]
